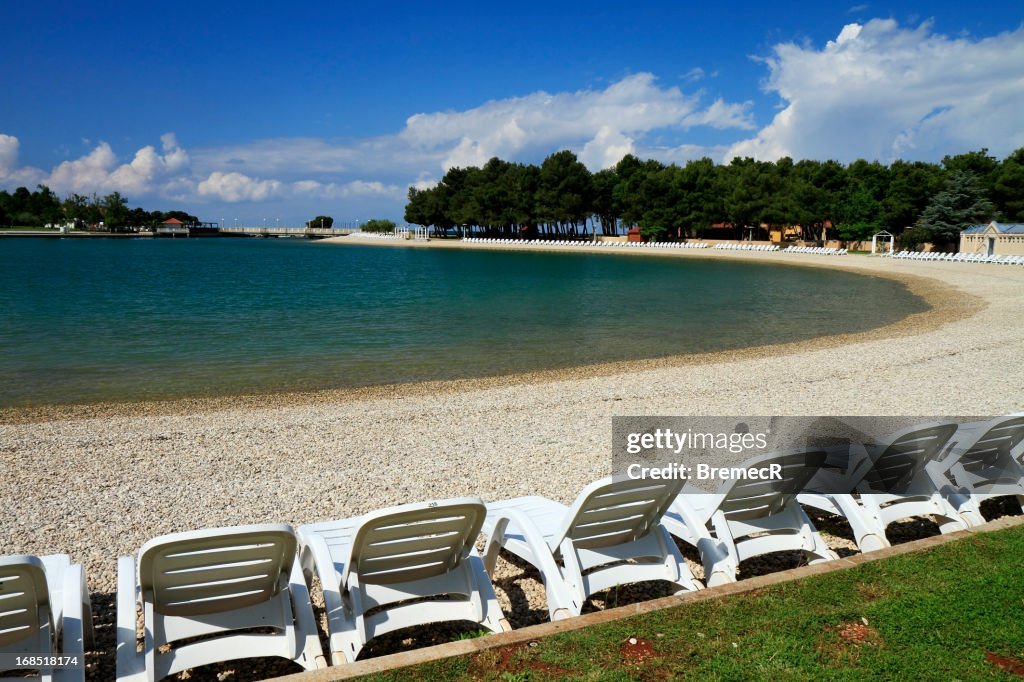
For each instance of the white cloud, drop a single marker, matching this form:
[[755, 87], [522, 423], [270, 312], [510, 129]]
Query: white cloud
[[8, 154], [85, 174], [694, 74], [882, 92], [355, 188], [10, 172], [425, 181], [148, 166], [606, 149], [235, 187], [282, 156], [517, 128], [682, 153], [99, 171], [601, 125], [624, 110]]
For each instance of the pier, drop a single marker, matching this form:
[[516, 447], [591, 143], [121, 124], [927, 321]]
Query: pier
[[307, 232]]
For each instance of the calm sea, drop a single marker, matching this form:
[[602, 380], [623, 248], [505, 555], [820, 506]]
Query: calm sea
[[97, 319]]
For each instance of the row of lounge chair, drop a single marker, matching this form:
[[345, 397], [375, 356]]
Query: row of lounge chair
[[747, 247], [418, 564], [586, 243], [818, 250], [960, 257]]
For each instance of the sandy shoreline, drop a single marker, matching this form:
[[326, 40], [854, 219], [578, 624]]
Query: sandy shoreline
[[98, 481]]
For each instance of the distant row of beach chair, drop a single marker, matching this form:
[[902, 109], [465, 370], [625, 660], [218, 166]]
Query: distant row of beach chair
[[825, 251], [747, 247], [814, 250], [958, 257], [818, 250], [586, 243], [418, 564]]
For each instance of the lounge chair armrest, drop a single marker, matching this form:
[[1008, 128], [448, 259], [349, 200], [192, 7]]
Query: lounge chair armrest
[[688, 527], [861, 460], [73, 626], [128, 660], [302, 607], [543, 556], [315, 557], [495, 541], [938, 470]]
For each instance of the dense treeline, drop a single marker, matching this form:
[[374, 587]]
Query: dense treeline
[[23, 208], [378, 225], [562, 198]]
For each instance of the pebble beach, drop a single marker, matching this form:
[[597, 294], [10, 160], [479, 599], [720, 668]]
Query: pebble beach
[[97, 481]]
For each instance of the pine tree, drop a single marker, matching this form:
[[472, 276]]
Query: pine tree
[[963, 203]]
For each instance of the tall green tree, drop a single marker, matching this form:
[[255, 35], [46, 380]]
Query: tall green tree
[[378, 225], [604, 207], [75, 208], [115, 211], [700, 204], [565, 195], [630, 173], [910, 188], [1008, 189], [960, 205], [750, 194], [980, 163]]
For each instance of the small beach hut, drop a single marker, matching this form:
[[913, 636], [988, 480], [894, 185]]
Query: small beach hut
[[172, 227], [993, 239]]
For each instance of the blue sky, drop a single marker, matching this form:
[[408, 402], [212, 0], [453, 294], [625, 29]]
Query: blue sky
[[284, 111]]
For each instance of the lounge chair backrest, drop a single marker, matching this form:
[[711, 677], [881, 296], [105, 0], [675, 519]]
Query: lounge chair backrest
[[24, 600], [904, 454], [216, 570], [415, 541], [745, 499], [610, 512], [993, 449]]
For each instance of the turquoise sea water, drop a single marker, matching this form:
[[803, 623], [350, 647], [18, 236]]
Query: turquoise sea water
[[88, 320]]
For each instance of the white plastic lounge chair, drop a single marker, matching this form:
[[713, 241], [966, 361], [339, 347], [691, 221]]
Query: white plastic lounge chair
[[223, 582], [44, 609], [582, 549], [983, 462], [750, 517], [395, 568], [897, 463]]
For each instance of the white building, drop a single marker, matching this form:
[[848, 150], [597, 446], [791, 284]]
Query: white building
[[994, 239]]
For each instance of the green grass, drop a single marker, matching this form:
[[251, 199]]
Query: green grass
[[932, 615]]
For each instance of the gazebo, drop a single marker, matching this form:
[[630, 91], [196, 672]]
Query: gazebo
[[172, 226], [883, 234]]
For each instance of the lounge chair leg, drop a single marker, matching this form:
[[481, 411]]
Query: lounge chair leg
[[869, 542]]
